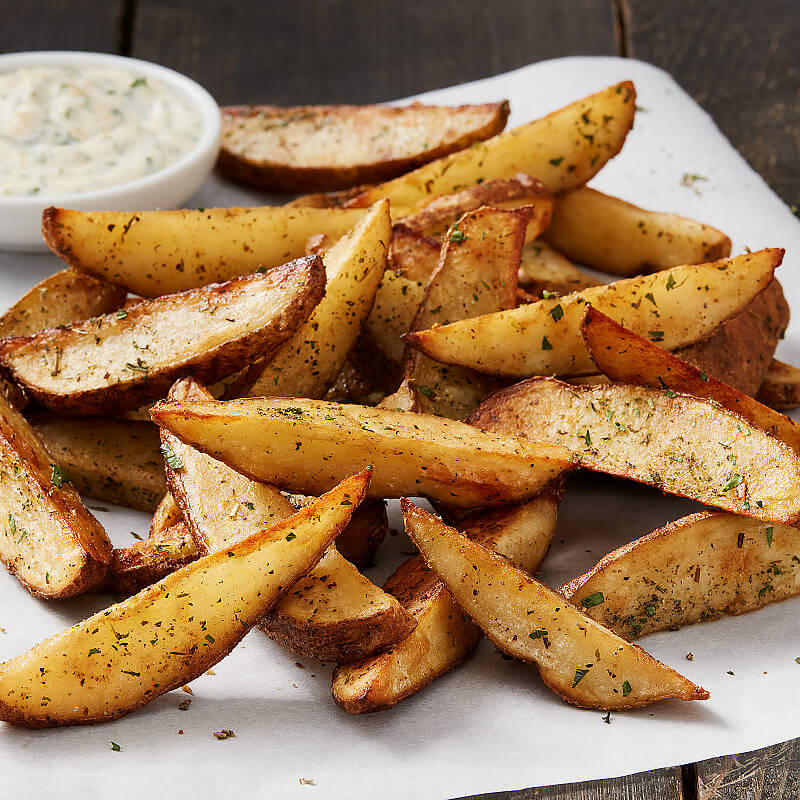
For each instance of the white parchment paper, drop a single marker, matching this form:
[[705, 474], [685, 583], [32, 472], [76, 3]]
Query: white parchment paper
[[490, 724]]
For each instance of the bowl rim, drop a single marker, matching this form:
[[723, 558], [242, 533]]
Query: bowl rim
[[191, 91]]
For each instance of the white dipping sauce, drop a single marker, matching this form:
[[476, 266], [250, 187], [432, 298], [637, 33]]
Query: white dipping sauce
[[66, 130]]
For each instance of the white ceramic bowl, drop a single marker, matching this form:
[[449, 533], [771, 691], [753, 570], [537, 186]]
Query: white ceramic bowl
[[21, 217]]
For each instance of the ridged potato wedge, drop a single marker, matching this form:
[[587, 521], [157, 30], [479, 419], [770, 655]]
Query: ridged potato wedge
[[627, 358], [120, 361], [543, 269], [580, 660], [781, 386], [444, 635], [302, 446], [322, 148], [683, 445], [696, 568], [115, 460], [543, 338], [50, 541], [171, 632], [564, 149], [163, 252], [606, 233], [307, 363]]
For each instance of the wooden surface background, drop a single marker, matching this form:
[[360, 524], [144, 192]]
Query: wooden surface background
[[739, 59]]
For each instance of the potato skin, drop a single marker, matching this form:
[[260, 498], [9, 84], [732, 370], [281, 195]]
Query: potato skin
[[781, 386]]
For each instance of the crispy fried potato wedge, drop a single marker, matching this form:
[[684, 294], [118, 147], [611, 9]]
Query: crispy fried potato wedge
[[301, 446], [115, 460], [322, 148], [171, 632], [365, 532], [477, 274], [683, 445], [580, 660], [50, 541], [143, 563], [697, 568], [307, 363], [120, 361], [412, 254], [564, 149], [781, 386], [406, 398], [544, 269], [444, 635], [608, 234], [354, 386], [163, 252], [627, 358], [166, 515], [543, 338]]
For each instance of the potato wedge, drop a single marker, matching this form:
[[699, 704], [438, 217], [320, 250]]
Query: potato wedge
[[406, 398], [50, 541], [544, 269], [544, 338], [627, 358], [564, 149], [120, 361], [353, 386], [163, 252], [143, 563], [696, 568], [171, 632], [166, 515], [110, 459], [606, 233], [413, 255], [477, 274], [781, 386], [365, 532], [444, 635], [680, 444], [580, 660], [307, 363], [322, 148], [301, 446]]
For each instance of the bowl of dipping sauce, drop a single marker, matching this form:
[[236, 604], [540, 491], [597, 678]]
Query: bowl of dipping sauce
[[97, 132]]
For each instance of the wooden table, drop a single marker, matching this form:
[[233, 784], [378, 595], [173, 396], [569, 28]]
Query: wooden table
[[738, 59]]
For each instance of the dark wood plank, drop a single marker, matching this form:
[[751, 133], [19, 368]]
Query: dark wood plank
[[62, 25], [740, 61], [325, 51]]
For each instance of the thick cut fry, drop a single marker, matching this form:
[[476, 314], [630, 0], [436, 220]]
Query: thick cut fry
[[301, 446], [680, 444], [307, 363], [49, 540], [115, 460], [171, 632], [697, 568], [444, 635], [477, 274], [544, 338], [627, 358], [119, 362], [162, 252], [321, 148], [579, 659], [608, 234], [781, 386], [564, 149], [543, 269]]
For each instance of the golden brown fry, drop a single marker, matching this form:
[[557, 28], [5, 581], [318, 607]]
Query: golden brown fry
[[781, 386]]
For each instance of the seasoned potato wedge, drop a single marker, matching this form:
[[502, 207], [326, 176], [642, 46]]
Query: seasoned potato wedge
[[627, 358], [544, 338], [583, 662], [172, 631], [115, 460], [307, 363], [781, 386], [680, 444], [162, 252], [354, 386], [564, 149], [166, 515], [120, 361], [544, 269], [697, 568], [301, 446], [54, 546], [412, 254], [321, 148], [608, 234], [444, 635], [365, 532]]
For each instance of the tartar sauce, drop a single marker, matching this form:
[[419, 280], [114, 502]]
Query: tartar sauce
[[65, 130]]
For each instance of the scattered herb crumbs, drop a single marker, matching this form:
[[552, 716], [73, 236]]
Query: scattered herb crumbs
[[539, 633], [690, 656], [172, 459], [426, 390], [57, 476], [547, 294], [184, 706], [546, 344], [290, 536], [649, 296], [458, 236], [210, 638], [580, 674], [139, 82], [732, 482], [593, 600], [587, 438], [121, 314], [770, 532], [306, 782], [115, 747], [556, 312], [671, 282], [656, 336], [556, 161], [730, 672], [626, 689], [225, 733], [250, 506]]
